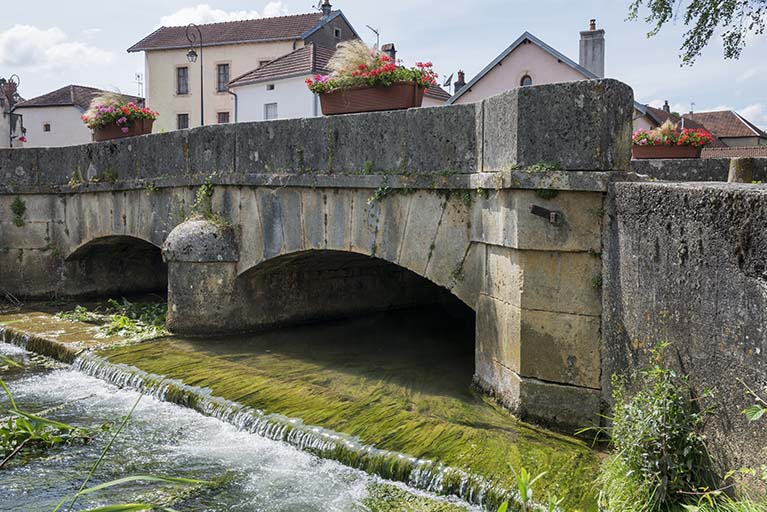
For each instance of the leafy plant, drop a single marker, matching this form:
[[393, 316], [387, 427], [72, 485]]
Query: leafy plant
[[18, 208], [660, 462], [354, 65], [24, 432], [525, 482], [135, 320], [667, 135]]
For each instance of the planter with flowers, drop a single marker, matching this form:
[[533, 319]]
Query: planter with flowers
[[668, 142], [364, 80], [112, 117]]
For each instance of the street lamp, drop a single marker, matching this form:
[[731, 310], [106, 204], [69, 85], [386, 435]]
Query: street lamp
[[191, 56]]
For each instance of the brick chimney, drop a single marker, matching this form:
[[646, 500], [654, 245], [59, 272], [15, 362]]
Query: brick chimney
[[461, 82], [326, 8], [389, 50], [592, 56], [666, 107]]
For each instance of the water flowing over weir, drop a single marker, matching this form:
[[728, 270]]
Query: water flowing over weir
[[420, 474]]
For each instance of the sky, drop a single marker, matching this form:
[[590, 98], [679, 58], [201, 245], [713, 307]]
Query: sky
[[49, 43]]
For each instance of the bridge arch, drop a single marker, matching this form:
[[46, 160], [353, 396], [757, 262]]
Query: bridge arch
[[319, 284], [115, 265]]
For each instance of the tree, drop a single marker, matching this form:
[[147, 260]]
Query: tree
[[737, 19]]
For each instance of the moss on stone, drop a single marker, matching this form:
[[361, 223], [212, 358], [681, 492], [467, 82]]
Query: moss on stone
[[425, 412]]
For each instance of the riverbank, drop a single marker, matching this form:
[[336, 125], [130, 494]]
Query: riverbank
[[396, 381]]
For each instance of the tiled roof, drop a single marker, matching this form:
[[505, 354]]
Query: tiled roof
[[76, 95], [308, 60], [726, 123], [279, 28], [754, 152], [438, 93]]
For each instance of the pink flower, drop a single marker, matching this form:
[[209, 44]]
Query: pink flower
[[22, 139], [125, 129], [122, 120]]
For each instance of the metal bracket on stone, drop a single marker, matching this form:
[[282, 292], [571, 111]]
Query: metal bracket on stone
[[552, 216]]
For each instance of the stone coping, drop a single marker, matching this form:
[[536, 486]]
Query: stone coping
[[585, 181]]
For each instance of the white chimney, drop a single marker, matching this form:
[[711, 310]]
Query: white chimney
[[593, 49]]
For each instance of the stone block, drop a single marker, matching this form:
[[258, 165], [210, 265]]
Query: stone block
[[565, 282], [468, 276], [498, 332], [423, 220], [364, 222], [451, 243], [393, 218], [505, 219], [584, 125], [30, 235], [313, 218], [338, 208], [201, 241], [251, 231], [560, 348], [564, 407]]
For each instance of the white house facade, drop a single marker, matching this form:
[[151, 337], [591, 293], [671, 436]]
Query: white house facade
[[53, 119]]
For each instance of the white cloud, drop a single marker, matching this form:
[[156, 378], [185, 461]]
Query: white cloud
[[204, 13], [25, 47], [756, 113]]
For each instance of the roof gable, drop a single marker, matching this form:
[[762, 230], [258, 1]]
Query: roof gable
[[308, 60], [726, 123], [70, 95], [279, 28], [526, 36]]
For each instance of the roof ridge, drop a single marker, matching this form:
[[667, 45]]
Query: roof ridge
[[240, 21]]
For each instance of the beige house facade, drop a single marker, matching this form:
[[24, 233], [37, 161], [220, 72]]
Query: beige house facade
[[228, 50]]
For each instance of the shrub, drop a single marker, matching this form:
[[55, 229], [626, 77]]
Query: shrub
[[660, 462]]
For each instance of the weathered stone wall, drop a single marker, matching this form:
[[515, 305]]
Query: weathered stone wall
[[687, 263], [693, 169]]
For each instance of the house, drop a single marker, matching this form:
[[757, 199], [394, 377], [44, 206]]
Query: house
[[530, 61], [732, 129], [53, 119], [277, 90], [229, 49]]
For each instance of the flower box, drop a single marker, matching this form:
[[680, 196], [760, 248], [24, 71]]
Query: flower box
[[397, 96], [113, 131], [644, 152]]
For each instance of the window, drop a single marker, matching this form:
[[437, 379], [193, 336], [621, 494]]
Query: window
[[270, 111], [223, 117], [337, 33], [222, 74], [269, 87], [182, 121], [182, 80], [526, 80], [47, 127]]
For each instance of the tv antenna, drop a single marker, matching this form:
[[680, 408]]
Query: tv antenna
[[378, 36]]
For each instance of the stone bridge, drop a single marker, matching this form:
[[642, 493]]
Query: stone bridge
[[497, 204]]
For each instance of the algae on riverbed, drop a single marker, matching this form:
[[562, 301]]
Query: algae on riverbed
[[399, 381]]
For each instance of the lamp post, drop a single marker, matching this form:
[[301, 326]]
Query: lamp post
[[191, 55]]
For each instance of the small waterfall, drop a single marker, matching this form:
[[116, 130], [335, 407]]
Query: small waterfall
[[420, 474]]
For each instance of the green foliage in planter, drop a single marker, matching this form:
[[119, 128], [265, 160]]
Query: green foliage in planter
[[660, 462]]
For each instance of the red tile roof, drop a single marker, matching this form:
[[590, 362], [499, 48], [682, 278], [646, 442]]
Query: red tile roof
[[753, 151], [726, 123], [308, 60], [76, 95], [437, 93], [280, 28]]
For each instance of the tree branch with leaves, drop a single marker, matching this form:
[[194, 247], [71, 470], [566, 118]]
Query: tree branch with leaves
[[735, 18]]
